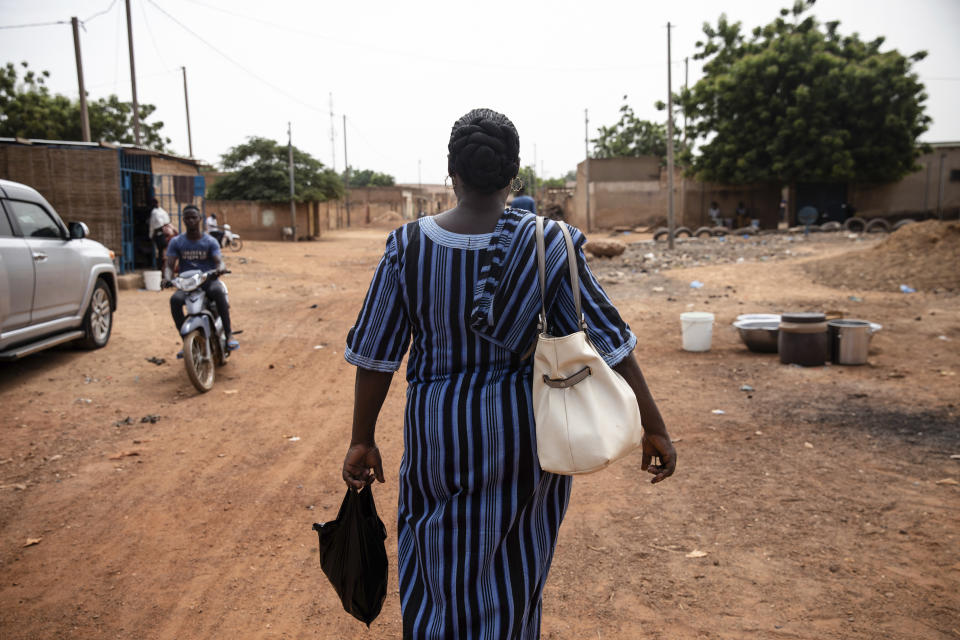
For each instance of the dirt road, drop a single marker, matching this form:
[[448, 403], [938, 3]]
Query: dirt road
[[824, 502]]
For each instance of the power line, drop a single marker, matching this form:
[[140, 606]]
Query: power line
[[385, 156], [153, 40], [237, 64], [100, 13], [33, 24], [423, 56]]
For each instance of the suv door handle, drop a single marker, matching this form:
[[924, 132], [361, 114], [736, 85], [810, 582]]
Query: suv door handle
[[39, 257]]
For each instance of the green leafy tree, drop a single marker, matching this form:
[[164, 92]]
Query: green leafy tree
[[112, 120], [259, 171], [553, 183], [367, 178], [631, 137], [798, 101], [570, 176], [29, 110]]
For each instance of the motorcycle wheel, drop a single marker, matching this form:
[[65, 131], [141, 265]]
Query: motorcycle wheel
[[200, 368], [236, 244]]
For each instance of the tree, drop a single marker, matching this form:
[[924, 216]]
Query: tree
[[259, 171], [112, 120], [367, 178], [798, 101], [631, 137], [553, 183], [29, 110]]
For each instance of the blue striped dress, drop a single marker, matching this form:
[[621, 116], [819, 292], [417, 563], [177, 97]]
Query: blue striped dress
[[477, 517]]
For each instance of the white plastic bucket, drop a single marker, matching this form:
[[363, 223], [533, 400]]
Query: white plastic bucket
[[151, 280], [697, 330]]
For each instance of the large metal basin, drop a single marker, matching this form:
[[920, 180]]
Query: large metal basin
[[760, 336]]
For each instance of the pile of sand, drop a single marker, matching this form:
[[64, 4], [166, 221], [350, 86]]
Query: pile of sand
[[388, 220], [925, 256]]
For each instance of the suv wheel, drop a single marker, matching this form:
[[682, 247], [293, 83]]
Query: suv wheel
[[98, 321]]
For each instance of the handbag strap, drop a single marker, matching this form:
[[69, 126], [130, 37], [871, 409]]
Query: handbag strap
[[542, 269]]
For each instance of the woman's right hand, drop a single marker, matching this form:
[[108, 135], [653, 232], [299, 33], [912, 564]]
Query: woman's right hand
[[361, 465]]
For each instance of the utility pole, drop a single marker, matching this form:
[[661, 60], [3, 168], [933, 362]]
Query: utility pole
[[943, 157], [586, 163], [293, 208], [683, 176], [686, 80], [346, 170], [333, 142], [84, 116], [186, 103], [133, 80], [670, 221]]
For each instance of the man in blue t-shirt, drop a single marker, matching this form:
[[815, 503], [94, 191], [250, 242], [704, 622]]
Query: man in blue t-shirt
[[197, 250], [523, 201]]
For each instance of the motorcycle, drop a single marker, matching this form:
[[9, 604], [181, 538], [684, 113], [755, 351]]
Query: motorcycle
[[204, 340], [230, 239]]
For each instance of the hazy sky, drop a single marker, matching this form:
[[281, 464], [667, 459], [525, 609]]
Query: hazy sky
[[403, 72]]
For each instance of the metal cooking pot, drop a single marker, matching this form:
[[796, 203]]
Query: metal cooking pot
[[850, 340]]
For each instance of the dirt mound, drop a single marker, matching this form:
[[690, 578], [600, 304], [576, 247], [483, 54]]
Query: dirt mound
[[605, 248], [388, 220], [924, 256]]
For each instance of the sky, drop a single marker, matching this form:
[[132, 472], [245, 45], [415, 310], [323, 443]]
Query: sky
[[402, 73]]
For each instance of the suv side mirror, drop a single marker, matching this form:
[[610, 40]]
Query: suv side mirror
[[78, 230]]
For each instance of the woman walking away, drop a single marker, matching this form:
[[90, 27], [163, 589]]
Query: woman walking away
[[478, 518]]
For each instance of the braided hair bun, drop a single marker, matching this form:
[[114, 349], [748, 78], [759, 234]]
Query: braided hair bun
[[484, 150]]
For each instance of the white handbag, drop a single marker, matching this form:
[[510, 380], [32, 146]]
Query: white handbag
[[586, 414]]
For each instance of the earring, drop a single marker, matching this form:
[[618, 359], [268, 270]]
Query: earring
[[516, 184], [445, 181]]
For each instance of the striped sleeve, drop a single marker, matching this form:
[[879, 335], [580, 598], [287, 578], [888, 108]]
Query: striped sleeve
[[606, 329], [381, 335]]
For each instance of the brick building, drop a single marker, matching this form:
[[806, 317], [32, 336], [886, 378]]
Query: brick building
[[108, 187]]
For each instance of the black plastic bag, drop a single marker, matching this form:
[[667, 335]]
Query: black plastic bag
[[353, 555]]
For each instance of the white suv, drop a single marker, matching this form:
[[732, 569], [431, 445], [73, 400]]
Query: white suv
[[56, 285]]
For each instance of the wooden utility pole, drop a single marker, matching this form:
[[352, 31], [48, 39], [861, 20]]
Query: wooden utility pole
[[293, 208], [133, 80], [670, 220], [586, 162], [333, 140], [84, 116], [683, 176], [186, 103], [346, 171]]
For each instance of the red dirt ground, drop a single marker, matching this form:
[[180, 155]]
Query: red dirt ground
[[825, 501]]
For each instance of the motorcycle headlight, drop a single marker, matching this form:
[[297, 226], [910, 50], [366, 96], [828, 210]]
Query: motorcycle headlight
[[189, 283]]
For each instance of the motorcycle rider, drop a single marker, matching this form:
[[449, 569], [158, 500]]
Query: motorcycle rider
[[197, 250]]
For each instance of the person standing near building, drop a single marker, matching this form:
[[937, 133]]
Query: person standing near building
[[523, 201], [158, 219], [213, 228]]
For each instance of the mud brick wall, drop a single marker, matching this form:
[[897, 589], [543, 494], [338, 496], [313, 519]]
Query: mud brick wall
[[83, 185]]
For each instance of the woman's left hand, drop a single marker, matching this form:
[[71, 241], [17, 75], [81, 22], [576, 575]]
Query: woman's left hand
[[657, 445], [361, 465]]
